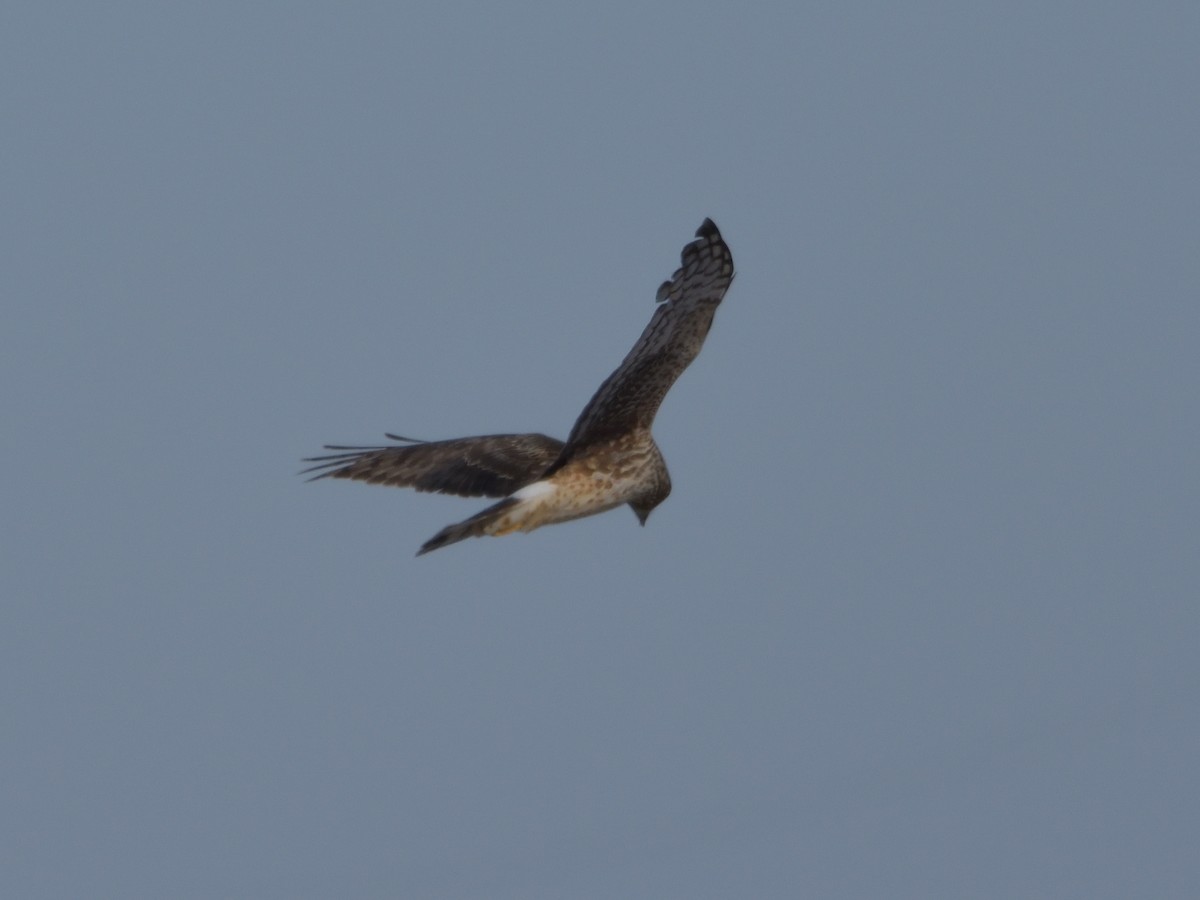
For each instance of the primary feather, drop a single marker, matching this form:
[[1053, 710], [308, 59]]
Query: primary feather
[[492, 465]]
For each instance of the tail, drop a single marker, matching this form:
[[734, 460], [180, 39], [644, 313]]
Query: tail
[[490, 521]]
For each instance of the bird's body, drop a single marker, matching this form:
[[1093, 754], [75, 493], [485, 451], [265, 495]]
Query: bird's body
[[625, 469], [610, 457]]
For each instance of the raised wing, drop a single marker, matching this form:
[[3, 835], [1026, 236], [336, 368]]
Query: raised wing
[[492, 465], [631, 396]]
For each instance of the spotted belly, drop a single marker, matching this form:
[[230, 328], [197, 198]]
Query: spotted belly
[[570, 494]]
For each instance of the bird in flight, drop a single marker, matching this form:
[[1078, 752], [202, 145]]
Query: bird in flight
[[609, 458]]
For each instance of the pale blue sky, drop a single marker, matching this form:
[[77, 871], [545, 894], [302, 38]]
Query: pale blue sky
[[920, 617]]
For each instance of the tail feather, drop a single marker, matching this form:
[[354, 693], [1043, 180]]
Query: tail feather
[[478, 525]]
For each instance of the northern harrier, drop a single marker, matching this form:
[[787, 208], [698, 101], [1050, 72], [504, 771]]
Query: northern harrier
[[610, 457]]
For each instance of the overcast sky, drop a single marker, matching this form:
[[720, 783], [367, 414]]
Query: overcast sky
[[920, 617]]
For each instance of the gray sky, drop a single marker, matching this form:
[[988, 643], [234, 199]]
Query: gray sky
[[920, 617]]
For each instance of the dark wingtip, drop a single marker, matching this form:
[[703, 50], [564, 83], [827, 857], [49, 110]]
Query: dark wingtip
[[406, 440], [707, 229], [336, 464], [328, 468], [438, 540]]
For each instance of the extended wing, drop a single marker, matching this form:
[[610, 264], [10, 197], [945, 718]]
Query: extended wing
[[492, 465], [631, 396]]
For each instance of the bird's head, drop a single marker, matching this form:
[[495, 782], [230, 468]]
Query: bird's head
[[644, 505]]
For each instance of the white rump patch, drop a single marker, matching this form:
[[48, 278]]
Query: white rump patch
[[537, 489]]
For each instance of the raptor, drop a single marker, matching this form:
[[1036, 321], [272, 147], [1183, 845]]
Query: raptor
[[609, 458]]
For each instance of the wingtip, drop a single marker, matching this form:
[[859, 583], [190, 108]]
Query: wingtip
[[432, 544], [441, 539], [708, 228]]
